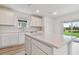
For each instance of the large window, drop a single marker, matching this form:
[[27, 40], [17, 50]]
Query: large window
[[71, 29]]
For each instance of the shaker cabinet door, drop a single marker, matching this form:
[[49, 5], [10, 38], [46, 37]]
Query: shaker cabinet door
[[27, 45], [43, 47], [9, 39], [61, 51], [36, 50], [7, 17]]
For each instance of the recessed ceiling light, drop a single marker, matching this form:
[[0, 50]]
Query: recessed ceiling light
[[37, 11], [54, 13]]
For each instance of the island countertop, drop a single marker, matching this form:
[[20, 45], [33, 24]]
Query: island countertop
[[48, 39]]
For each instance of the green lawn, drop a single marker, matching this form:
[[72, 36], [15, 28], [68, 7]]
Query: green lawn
[[73, 34]]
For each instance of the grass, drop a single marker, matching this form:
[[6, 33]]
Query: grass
[[71, 33]]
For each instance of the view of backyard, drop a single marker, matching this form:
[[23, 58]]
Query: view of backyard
[[71, 29], [72, 34]]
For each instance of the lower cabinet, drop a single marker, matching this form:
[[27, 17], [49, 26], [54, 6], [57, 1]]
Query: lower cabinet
[[28, 45], [61, 51], [21, 37], [11, 38], [36, 50], [8, 39], [43, 47], [34, 47]]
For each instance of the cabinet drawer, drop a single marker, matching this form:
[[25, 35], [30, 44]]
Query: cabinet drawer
[[43, 47]]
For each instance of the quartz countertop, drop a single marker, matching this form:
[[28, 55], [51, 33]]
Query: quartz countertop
[[49, 39]]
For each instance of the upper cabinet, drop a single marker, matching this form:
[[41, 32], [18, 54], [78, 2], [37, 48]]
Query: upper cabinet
[[36, 21], [7, 17]]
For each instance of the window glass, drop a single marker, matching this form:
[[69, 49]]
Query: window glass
[[75, 27], [22, 24], [71, 30], [67, 30]]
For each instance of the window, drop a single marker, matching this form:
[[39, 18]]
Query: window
[[71, 29], [22, 24]]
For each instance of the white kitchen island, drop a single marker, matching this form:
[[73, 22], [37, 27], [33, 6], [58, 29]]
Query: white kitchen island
[[46, 44]]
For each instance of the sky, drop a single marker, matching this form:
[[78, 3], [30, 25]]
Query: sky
[[73, 24]]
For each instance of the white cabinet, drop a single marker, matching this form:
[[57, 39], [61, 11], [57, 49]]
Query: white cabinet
[[21, 37], [7, 17], [61, 51], [36, 50], [13, 38], [8, 39], [36, 47], [35, 21], [5, 39], [0, 41], [28, 45], [44, 48]]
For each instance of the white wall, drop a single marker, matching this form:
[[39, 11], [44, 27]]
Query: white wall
[[48, 25], [51, 26]]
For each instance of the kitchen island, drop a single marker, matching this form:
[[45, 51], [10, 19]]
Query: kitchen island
[[46, 44]]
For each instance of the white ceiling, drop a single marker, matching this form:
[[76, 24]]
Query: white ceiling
[[45, 9]]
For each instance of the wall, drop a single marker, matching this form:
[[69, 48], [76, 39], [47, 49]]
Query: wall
[[51, 26], [48, 25]]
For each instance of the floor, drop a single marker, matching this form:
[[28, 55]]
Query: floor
[[20, 53], [13, 50]]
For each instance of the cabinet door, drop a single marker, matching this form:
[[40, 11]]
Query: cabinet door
[[43, 47], [5, 40], [35, 21], [21, 38], [9, 39], [13, 38], [7, 17], [36, 50], [0, 40], [27, 45], [61, 51]]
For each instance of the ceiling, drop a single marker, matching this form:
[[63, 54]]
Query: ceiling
[[45, 9]]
